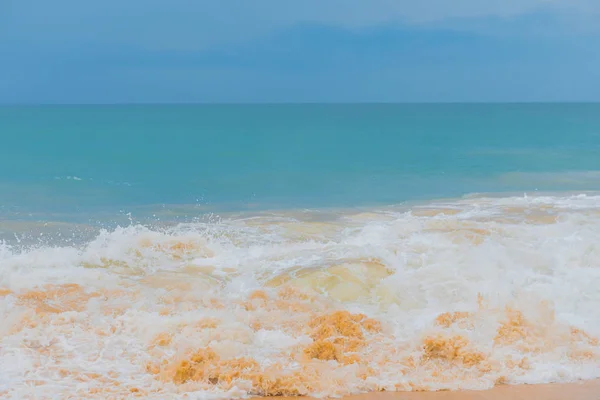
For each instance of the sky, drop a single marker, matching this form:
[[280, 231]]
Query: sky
[[222, 51]]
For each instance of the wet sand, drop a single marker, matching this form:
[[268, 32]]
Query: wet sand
[[588, 390]]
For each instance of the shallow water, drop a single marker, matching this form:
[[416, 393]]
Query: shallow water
[[457, 294]]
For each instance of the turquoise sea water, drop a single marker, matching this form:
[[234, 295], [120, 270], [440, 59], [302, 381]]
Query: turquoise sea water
[[70, 159]]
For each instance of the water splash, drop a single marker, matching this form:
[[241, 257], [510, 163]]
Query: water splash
[[464, 294]]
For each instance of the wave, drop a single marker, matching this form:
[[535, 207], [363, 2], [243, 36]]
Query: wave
[[461, 294]]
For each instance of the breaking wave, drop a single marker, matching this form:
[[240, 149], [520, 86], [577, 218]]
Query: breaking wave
[[463, 294]]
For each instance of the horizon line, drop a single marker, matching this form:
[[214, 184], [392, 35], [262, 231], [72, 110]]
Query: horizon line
[[257, 103]]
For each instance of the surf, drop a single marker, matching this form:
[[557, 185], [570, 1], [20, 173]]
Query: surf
[[460, 294]]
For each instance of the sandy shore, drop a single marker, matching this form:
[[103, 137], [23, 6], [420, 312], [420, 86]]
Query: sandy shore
[[589, 390]]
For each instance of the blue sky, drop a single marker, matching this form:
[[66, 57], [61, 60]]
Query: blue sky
[[137, 51]]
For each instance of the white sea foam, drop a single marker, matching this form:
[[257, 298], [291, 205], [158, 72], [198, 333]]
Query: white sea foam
[[457, 294]]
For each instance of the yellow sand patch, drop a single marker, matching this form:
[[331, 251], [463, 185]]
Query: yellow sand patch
[[57, 298], [448, 319], [162, 339], [453, 349], [339, 333], [206, 366]]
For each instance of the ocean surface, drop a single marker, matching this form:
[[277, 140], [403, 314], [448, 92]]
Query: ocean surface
[[222, 251]]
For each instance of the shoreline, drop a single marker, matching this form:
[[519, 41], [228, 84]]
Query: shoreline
[[582, 390], [236, 209]]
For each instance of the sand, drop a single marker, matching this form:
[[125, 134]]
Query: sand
[[588, 390]]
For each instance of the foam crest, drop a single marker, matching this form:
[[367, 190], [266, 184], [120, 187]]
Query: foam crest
[[462, 294]]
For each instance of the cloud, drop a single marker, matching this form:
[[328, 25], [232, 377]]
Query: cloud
[[200, 24], [311, 50]]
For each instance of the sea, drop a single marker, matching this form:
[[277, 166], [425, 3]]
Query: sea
[[228, 251]]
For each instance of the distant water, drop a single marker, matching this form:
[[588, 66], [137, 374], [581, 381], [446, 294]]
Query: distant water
[[218, 251], [58, 159]]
